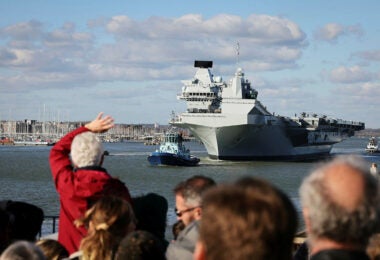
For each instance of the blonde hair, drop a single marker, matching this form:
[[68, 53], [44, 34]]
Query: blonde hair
[[108, 221]]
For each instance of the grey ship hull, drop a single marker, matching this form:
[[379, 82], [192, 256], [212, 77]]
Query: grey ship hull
[[252, 142]]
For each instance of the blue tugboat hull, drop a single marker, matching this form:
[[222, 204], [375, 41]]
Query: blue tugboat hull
[[171, 159]]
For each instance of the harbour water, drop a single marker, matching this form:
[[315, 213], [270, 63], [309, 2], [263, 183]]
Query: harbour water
[[25, 173]]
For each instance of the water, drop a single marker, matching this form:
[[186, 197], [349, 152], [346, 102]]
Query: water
[[25, 173]]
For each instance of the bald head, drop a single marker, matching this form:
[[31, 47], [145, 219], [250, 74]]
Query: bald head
[[345, 185], [340, 201]]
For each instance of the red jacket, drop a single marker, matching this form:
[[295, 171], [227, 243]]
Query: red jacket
[[78, 189]]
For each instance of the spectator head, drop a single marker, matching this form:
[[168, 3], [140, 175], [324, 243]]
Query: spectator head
[[188, 198], [5, 230], [250, 219], [151, 211], [25, 219], [86, 150], [340, 202], [22, 250], [52, 249], [108, 221], [140, 245]]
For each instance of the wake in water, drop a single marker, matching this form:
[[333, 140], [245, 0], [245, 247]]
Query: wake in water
[[129, 154]]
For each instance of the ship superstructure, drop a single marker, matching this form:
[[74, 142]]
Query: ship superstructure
[[233, 124]]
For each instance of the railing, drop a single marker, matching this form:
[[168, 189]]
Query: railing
[[49, 226]]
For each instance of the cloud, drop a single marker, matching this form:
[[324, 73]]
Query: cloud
[[350, 75], [155, 48], [366, 90], [331, 32], [36, 59], [357, 101], [155, 43], [259, 28], [66, 37], [373, 55], [25, 31], [6, 56], [29, 48]]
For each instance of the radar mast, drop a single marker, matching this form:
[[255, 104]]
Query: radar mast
[[237, 49]]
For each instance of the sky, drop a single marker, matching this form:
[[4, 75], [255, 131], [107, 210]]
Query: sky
[[67, 60]]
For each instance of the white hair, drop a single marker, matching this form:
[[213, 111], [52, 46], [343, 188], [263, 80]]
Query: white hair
[[330, 220], [21, 250], [86, 150]]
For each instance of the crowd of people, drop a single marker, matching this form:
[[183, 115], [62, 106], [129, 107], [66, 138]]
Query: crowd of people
[[250, 218]]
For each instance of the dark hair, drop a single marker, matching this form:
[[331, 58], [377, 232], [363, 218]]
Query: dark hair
[[193, 188], [25, 219], [251, 219], [5, 230], [140, 245], [150, 211]]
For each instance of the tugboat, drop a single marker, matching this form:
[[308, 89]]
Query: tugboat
[[173, 152], [372, 146]]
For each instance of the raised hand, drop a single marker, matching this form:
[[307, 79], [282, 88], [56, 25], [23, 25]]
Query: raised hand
[[100, 124]]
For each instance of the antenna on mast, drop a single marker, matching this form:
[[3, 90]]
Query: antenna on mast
[[237, 48]]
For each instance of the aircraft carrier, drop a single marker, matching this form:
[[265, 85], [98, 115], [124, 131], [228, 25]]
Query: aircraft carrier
[[233, 124]]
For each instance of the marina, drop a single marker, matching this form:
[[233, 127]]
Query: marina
[[26, 176], [33, 132]]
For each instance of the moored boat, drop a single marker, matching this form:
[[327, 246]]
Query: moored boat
[[6, 141], [372, 145], [33, 143], [172, 151]]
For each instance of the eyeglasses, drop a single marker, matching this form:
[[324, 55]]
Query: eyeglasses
[[179, 213]]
